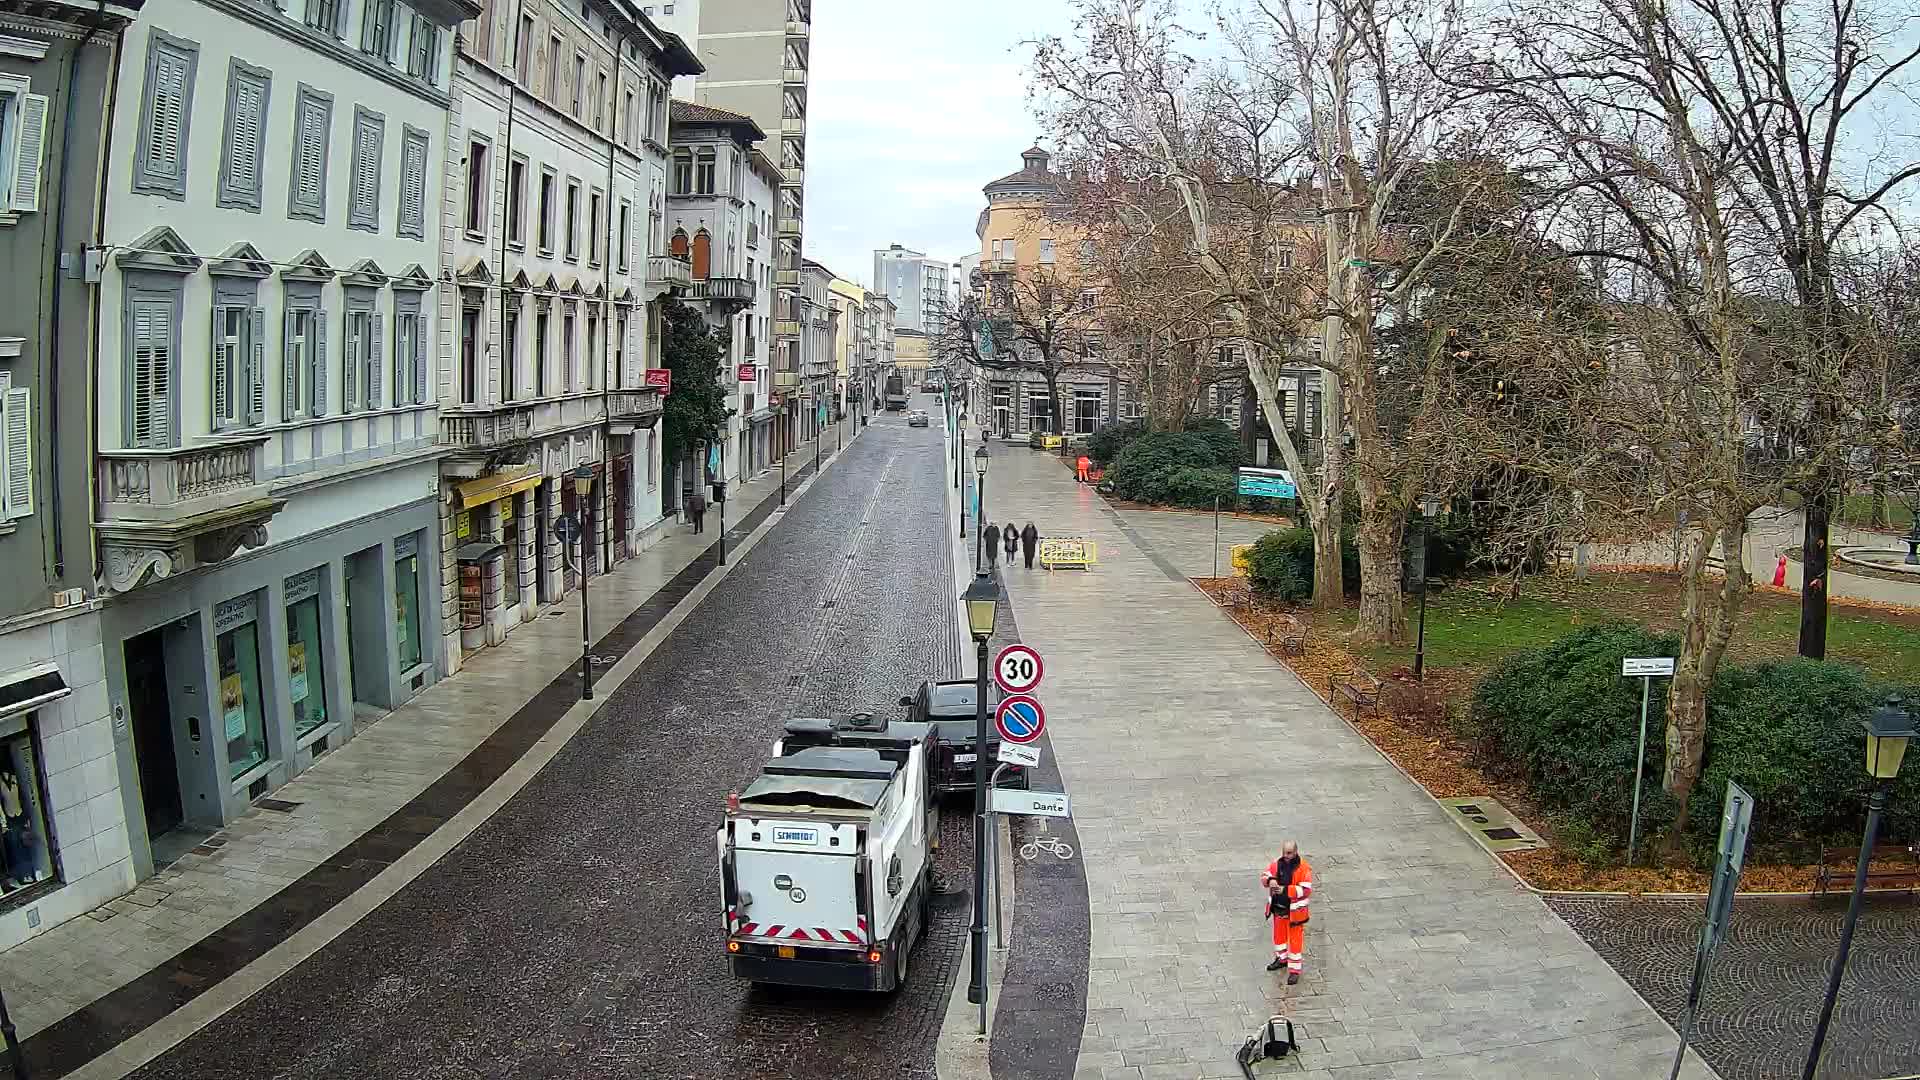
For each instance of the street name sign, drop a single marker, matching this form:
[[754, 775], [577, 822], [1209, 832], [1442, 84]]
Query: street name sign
[[1020, 718], [1024, 755], [1017, 669], [1032, 803], [1267, 483], [1646, 666]]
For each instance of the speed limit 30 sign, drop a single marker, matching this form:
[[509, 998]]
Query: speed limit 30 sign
[[1017, 669]]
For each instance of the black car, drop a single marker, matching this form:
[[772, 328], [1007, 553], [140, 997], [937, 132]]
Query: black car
[[947, 708]]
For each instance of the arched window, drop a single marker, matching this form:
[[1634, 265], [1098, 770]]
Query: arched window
[[702, 254], [678, 245]]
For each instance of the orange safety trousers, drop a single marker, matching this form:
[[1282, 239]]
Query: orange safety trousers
[[1288, 940], [1290, 926]]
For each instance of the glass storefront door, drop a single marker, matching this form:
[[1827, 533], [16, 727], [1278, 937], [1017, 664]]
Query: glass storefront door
[[242, 710], [406, 601], [306, 662]]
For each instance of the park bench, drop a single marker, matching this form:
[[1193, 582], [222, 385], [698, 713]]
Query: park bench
[[1837, 865], [1289, 634], [1358, 685], [1237, 596]]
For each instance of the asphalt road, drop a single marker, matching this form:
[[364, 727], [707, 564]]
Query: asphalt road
[[577, 933]]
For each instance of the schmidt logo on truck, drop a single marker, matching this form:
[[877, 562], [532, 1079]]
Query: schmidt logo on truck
[[809, 837]]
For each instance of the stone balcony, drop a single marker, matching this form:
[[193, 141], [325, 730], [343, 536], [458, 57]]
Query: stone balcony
[[485, 429], [786, 380], [639, 408], [166, 512], [731, 292], [665, 274]]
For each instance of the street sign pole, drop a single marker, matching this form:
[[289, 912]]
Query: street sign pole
[[1216, 536], [1646, 669], [1736, 815]]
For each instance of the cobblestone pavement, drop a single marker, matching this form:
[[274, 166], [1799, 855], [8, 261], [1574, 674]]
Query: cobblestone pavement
[[1768, 977], [576, 933]]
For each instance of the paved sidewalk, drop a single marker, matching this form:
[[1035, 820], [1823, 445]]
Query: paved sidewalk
[[347, 793], [1190, 755]]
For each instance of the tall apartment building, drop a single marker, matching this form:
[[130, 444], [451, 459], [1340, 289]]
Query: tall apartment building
[[552, 233], [267, 459], [65, 801], [756, 56], [916, 284]]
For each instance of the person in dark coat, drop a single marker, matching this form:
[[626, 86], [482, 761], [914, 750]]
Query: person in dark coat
[[993, 546], [1029, 540], [697, 510], [1013, 543]]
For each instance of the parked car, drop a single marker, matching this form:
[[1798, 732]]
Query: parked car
[[930, 387], [947, 708], [916, 418]]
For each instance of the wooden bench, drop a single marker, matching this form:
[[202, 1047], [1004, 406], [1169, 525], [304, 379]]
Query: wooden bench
[[1358, 685], [1289, 634], [1837, 865], [1237, 596]]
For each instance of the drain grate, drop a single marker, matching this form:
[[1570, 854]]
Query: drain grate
[[280, 805], [1491, 825]]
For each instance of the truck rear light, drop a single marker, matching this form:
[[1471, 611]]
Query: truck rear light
[[733, 802], [873, 957], [733, 946]]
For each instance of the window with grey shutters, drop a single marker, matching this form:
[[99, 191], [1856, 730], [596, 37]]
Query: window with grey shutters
[[376, 30], [409, 350], [152, 318], [303, 345], [363, 198], [413, 183], [238, 361], [160, 156], [245, 142], [312, 131], [360, 347], [16, 449]]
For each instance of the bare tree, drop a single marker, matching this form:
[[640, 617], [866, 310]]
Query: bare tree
[[1031, 319]]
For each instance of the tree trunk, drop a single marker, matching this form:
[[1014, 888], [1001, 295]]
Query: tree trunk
[[1706, 624], [1817, 501], [1382, 535], [1329, 574]]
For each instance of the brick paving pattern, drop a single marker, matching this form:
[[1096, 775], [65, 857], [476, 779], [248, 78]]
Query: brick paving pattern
[[1768, 978], [577, 932]]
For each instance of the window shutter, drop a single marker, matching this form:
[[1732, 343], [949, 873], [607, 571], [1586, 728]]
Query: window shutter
[[364, 164], [373, 362], [257, 369], [152, 340], [309, 155], [419, 360], [350, 357], [169, 108], [222, 369], [19, 450], [248, 100], [29, 152], [317, 375], [414, 186], [289, 369]]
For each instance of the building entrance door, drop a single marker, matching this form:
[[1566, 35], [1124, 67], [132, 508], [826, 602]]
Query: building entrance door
[[147, 701]]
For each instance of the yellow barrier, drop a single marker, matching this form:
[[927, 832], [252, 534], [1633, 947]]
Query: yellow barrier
[[1051, 442], [1242, 559], [1067, 553]]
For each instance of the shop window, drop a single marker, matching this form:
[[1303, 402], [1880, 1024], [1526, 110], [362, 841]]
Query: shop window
[[23, 805], [242, 718], [306, 661], [406, 607]]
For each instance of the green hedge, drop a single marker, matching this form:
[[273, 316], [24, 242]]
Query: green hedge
[[1282, 564], [1789, 732], [1176, 468], [1107, 443]]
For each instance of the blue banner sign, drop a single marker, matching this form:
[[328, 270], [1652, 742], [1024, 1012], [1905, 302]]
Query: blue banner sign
[[1267, 483]]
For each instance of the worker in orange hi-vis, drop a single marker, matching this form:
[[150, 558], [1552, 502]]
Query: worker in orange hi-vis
[[1080, 468], [1289, 884]]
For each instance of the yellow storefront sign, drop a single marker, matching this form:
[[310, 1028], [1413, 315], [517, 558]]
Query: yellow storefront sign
[[1067, 553], [1242, 559], [498, 486]]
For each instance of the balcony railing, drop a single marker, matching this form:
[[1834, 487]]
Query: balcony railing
[[793, 76], [504, 426], [793, 125], [635, 405], [670, 270], [788, 226], [787, 328], [786, 380], [793, 176], [789, 278], [799, 29], [728, 290], [168, 485]]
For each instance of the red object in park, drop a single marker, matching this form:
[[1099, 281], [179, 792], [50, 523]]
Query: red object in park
[[660, 379], [1780, 573]]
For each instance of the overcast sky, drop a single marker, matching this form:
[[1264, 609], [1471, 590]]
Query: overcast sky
[[911, 109]]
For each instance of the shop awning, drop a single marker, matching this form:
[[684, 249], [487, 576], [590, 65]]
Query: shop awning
[[498, 486], [30, 688], [479, 551]]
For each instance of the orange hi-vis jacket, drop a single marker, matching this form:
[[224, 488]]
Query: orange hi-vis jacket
[[1298, 892]]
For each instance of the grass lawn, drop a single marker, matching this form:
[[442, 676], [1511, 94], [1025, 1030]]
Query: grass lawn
[[1858, 508], [1470, 628]]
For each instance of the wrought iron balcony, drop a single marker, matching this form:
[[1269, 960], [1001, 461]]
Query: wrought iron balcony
[[725, 290], [165, 512]]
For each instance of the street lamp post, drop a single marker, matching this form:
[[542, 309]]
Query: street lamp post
[[980, 457], [582, 487], [1429, 508], [982, 599], [1888, 730]]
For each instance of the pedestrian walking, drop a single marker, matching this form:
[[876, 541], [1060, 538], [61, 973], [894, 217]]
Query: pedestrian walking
[[697, 510], [1289, 884], [1013, 543], [993, 546], [1029, 540]]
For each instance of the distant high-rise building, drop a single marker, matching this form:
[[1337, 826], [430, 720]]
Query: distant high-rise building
[[756, 54], [916, 284]]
